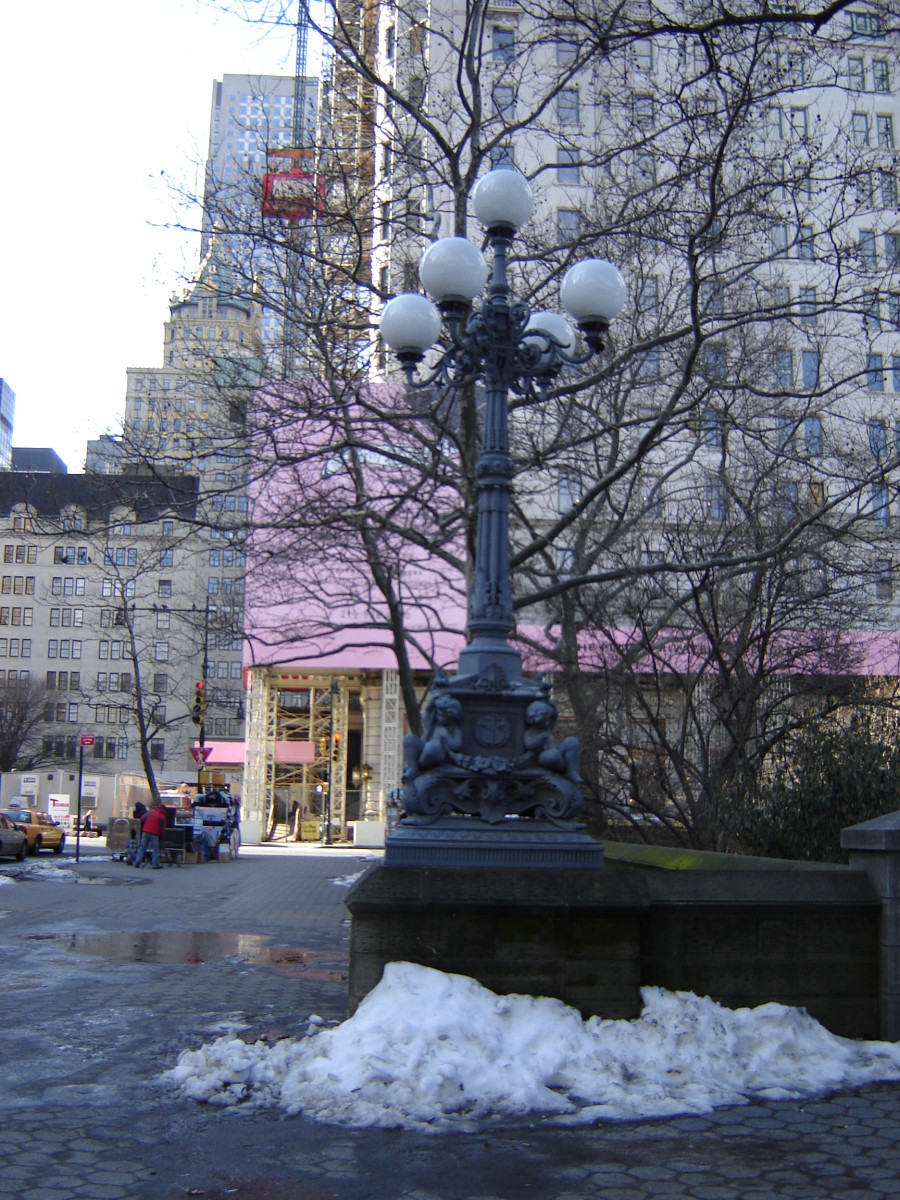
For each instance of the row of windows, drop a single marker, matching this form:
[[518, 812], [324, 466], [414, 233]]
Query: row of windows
[[224, 586], [16, 616], [63, 681], [225, 670], [13, 553], [113, 681], [62, 712], [111, 714], [65, 749], [152, 385], [68, 585], [227, 558], [878, 75], [13, 677], [15, 647], [63, 616], [64, 648]]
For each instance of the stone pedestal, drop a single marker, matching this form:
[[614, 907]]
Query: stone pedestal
[[874, 847], [572, 933], [468, 842]]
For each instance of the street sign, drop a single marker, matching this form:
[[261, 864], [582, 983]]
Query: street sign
[[87, 739], [201, 753]]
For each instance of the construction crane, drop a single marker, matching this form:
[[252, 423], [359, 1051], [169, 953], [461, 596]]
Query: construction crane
[[294, 192]]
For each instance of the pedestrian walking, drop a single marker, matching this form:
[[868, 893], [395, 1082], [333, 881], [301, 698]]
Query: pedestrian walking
[[152, 828]]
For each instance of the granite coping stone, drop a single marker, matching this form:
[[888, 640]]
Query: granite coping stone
[[881, 833], [385, 886]]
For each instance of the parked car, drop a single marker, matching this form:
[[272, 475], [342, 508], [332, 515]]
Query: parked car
[[13, 842], [41, 831]]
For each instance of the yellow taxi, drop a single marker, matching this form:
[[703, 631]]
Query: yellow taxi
[[42, 832]]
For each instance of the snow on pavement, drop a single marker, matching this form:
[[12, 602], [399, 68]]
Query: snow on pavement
[[437, 1051]]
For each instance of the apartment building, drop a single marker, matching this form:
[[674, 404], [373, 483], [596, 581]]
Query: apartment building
[[103, 608]]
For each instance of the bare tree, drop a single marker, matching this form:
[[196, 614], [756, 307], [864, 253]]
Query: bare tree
[[21, 716], [723, 481]]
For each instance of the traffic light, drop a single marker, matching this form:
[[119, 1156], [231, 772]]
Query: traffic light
[[336, 748], [199, 710]]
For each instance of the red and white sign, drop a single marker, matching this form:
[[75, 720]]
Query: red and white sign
[[201, 753], [87, 739]]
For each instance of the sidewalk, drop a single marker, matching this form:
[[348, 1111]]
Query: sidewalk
[[181, 955]]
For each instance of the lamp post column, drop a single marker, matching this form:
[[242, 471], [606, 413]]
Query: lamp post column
[[490, 617]]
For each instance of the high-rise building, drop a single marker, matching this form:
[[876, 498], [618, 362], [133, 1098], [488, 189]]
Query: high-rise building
[[7, 417]]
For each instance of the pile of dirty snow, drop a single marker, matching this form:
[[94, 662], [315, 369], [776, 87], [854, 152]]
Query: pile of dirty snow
[[426, 1049]]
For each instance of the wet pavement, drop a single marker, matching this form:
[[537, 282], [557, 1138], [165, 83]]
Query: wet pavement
[[102, 986]]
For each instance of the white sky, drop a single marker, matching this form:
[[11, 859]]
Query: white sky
[[103, 105]]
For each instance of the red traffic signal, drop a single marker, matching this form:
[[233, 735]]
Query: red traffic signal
[[199, 709]]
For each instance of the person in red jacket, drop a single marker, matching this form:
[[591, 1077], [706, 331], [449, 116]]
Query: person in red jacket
[[153, 825]]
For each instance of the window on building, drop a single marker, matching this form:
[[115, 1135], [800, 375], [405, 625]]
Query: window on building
[[712, 429], [167, 558], [860, 128], [714, 363], [867, 250], [504, 101], [807, 305], [798, 123], [812, 434], [503, 44], [856, 76], [884, 126], [884, 584], [881, 75], [568, 107], [810, 369], [877, 431], [784, 368], [568, 169], [806, 245], [875, 373], [643, 54], [880, 505], [716, 500], [785, 430]]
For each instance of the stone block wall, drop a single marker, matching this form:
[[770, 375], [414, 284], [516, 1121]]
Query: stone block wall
[[592, 938]]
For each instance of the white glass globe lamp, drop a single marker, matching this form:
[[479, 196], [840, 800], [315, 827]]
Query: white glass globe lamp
[[453, 271], [409, 325], [593, 292], [558, 328], [502, 199]]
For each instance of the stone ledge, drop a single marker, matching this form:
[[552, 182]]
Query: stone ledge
[[881, 833]]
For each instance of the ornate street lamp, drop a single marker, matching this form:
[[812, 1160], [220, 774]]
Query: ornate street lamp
[[487, 749]]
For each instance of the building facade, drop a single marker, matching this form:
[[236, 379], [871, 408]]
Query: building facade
[[104, 612], [7, 418], [730, 471]]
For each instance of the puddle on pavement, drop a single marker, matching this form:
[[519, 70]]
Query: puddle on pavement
[[111, 882], [179, 947]]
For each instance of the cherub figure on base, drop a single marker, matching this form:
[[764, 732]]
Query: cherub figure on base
[[540, 717]]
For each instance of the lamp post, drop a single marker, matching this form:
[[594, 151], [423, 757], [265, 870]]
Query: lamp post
[[487, 749]]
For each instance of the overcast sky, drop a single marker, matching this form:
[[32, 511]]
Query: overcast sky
[[103, 105]]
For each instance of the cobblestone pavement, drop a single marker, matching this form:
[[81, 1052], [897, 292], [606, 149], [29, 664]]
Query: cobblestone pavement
[[84, 1038]]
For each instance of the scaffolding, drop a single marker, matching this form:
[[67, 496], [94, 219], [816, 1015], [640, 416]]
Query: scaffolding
[[309, 714]]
